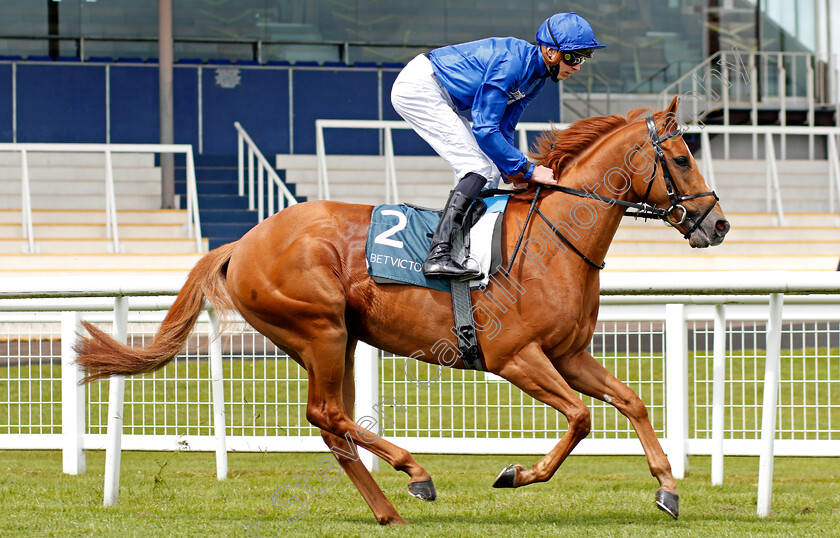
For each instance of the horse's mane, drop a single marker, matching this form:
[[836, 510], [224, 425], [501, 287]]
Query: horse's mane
[[561, 147]]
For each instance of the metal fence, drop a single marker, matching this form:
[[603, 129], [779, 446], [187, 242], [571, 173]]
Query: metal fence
[[442, 410], [703, 359]]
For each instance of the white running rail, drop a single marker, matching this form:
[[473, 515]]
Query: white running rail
[[192, 224], [262, 189]]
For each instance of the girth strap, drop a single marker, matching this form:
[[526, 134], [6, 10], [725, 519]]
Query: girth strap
[[464, 328]]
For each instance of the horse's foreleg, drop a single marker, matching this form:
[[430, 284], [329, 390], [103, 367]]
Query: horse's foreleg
[[588, 376], [381, 507], [533, 373]]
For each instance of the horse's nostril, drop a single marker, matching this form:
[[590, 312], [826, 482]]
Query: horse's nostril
[[722, 226]]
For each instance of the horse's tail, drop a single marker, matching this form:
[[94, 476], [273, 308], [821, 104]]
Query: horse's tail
[[102, 356]]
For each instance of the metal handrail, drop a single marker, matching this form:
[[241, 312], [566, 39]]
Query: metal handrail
[[193, 221], [753, 72], [263, 168]]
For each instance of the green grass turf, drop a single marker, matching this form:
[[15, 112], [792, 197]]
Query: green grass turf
[[177, 494]]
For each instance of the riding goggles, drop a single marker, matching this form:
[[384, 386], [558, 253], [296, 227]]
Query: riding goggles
[[572, 58]]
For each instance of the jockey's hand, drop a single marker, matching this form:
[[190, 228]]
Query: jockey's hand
[[544, 175]]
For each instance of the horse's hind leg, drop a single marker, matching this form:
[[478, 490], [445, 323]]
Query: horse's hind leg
[[588, 376], [324, 360], [381, 507]]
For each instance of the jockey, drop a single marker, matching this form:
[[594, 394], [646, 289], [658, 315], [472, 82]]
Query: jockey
[[495, 78]]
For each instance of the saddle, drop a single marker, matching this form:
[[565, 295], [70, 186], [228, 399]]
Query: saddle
[[398, 241]]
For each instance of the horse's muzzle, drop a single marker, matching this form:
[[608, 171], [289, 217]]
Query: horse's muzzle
[[710, 232]]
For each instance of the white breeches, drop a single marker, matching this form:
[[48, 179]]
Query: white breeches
[[424, 103]]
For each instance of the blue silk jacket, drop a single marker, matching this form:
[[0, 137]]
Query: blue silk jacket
[[496, 78]]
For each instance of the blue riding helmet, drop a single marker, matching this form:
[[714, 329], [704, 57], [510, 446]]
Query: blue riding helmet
[[566, 32]]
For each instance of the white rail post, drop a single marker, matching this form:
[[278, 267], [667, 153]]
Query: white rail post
[[240, 160], [72, 398], [391, 193], [321, 156], [26, 203], [260, 192], [193, 217], [111, 203], [676, 382], [523, 140], [113, 443], [753, 104], [217, 380], [782, 81], [809, 90], [367, 394], [718, 393], [768, 408], [708, 166], [833, 173], [251, 202], [269, 187], [773, 180], [725, 94]]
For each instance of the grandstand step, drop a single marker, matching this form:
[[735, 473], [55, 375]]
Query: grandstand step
[[792, 220], [429, 201], [362, 162], [376, 190], [84, 216], [27, 264], [706, 261], [226, 229], [97, 231], [37, 159], [81, 187], [757, 234], [216, 187], [39, 174], [222, 201], [76, 245], [232, 216], [217, 174], [729, 248], [404, 177], [66, 202]]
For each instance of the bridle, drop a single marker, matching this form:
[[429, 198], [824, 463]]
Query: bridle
[[642, 209], [673, 192]]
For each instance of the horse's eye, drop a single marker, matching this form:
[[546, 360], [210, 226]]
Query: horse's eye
[[682, 161]]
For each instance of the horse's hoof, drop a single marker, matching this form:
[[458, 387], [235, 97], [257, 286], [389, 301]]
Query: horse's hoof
[[506, 478], [423, 490], [668, 503]]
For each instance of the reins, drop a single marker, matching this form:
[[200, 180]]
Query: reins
[[643, 208]]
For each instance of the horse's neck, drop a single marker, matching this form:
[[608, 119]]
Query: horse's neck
[[594, 221]]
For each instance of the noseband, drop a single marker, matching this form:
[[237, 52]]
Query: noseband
[[642, 209]]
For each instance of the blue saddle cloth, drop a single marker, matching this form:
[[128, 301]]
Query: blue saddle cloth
[[399, 239]]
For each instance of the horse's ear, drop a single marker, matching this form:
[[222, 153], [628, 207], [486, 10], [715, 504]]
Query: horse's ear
[[672, 108]]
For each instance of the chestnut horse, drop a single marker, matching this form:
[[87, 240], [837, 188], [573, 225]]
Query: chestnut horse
[[300, 279]]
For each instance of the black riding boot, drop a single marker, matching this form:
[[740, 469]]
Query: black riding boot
[[439, 262]]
